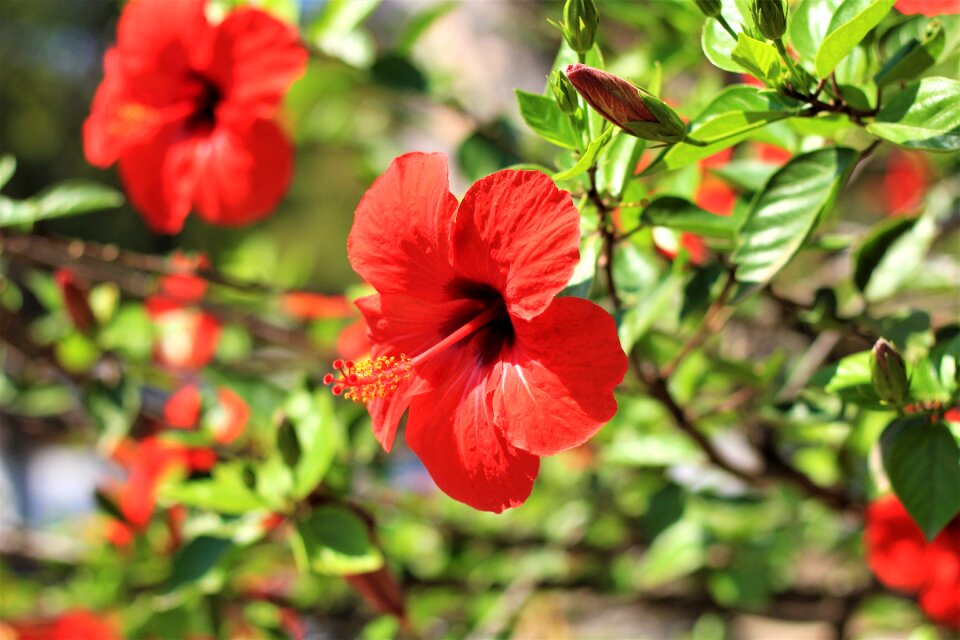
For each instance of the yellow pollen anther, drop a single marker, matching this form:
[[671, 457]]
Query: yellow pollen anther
[[369, 379]]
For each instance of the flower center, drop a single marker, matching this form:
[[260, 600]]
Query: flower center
[[380, 377], [205, 104]]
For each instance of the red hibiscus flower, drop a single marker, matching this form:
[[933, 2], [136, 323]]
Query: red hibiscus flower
[[905, 182], [147, 463], [187, 109], [900, 557], [927, 7], [182, 408], [305, 305], [71, 625], [467, 330], [229, 419]]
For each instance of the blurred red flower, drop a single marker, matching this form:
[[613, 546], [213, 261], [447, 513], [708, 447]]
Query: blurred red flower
[[182, 408], [905, 181], [147, 463], [305, 305], [229, 420], [187, 108], [467, 330], [927, 7], [73, 625], [186, 337], [900, 557]]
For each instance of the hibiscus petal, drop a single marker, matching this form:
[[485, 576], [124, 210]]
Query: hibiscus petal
[[518, 233], [242, 174], [155, 40], [254, 59], [399, 324], [400, 237], [451, 429], [159, 176], [555, 385]]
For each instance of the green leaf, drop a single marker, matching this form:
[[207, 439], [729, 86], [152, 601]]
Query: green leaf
[[787, 211], [543, 115], [224, 492], [923, 463], [195, 560], [581, 282], [317, 434], [678, 551], [914, 57], [8, 165], [809, 24], [617, 164], [925, 115], [717, 44], [901, 260], [588, 158], [749, 175], [64, 199], [683, 215], [730, 118], [341, 16], [113, 408], [851, 380], [853, 20], [757, 57], [333, 540], [869, 253], [638, 319]]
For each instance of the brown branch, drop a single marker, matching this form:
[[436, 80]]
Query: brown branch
[[714, 319]]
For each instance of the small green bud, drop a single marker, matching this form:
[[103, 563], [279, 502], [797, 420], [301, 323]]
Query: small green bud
[[889, 373], [564, 93], [710, 8], [580, 22], [770, 16]]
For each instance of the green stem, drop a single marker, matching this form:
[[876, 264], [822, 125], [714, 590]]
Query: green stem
[[797, 78], [726, 25]]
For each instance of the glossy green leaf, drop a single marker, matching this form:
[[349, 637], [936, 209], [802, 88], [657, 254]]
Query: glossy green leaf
[[758, 58], [588, 158], [225, 491], [868, 254], [787, 211], [808, 27], [543, 115], [617, 164], [729, 119], [683, 215], [195, 560], [333, 540], [925, 115], [717, 44], [64, 199], [678, 551], [914, 57], [850, 24], [922, 460]]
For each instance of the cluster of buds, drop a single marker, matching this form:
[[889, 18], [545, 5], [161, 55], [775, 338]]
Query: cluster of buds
[[619, 101]]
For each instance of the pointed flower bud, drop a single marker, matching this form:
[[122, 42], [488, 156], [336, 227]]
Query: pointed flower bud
[[626, 105], [710, 8], [888, 372], [563, 93], [770, 16], [580, 22]]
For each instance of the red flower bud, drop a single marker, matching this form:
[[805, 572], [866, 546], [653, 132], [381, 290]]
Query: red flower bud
[[624, 104], [614, 98]]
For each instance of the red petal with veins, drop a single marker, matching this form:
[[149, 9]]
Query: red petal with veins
[[518, 233], [400, 237], [556, 383]]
